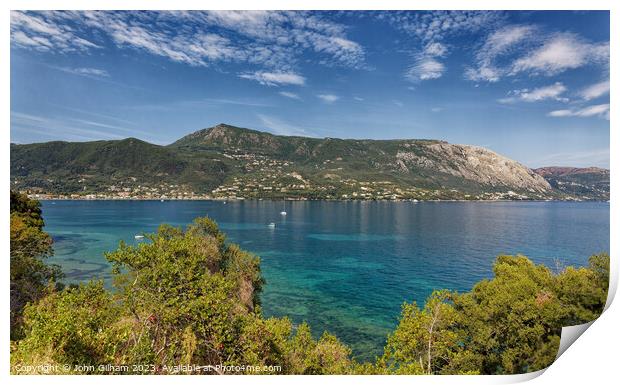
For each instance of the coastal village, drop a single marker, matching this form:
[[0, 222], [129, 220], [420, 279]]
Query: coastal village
[[264, 177], [267, 178]]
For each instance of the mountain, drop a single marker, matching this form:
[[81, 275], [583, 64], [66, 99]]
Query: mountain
[[229, 161], [65, 167], [586, 183]]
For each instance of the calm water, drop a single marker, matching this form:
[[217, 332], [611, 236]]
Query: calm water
[[346, 267]]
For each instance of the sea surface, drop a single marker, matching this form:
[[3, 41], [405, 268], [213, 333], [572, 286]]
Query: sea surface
[[345, 267]]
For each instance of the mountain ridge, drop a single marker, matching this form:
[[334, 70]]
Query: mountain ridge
[[226, 161]]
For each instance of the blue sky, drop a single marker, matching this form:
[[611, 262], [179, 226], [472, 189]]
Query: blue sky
[[533, 86]]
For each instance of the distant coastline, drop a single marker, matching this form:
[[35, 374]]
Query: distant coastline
[[215, 199], [228, 162]]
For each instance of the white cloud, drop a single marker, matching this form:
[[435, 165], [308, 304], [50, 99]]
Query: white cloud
[[543, 54], [595, 90], [274, 40], [328, 98], [290, 95], [559, 53], [275, 78], [435, 49], [599, 110], [425, 68], [436, 109], [358, 98], [432, 26], [40, 32], [426, 65], [552, 92], [498, 43]]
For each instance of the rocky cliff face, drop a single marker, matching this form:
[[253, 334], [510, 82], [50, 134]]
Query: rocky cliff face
[[474, 164]]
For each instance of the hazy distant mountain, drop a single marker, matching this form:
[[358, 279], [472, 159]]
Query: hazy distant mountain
[[588, 183], [230, 161]]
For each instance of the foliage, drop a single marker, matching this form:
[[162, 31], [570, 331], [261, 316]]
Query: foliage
[[189, 297], [30, 276], [183, 297], [509, 324], [69, 327], [425, 339]]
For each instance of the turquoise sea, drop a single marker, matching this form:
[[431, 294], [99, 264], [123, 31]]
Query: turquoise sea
[[345, 267]]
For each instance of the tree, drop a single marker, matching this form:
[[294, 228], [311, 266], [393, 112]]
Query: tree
[[185, 296], [512, 319], [505, 325], [30, 245], [425, 339]]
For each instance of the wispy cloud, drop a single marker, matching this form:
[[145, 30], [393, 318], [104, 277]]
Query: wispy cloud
[[130, 131], [433, 26], [328, 98], [425, 68], [544, 54], [290, 95], [559, 53], [280, 127], [59, 129], [74, 128], [95, 114], [426, 65], [272, 39], [551, 92], [275, 78], [96, 72], [41, 32], [595, 90], [180, 105], [500, 42], [598, 110], [596, 157]]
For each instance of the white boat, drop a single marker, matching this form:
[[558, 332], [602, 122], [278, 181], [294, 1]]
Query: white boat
[[161, 200], [282, 212], [272, 225], [415, 201], [138, 236]]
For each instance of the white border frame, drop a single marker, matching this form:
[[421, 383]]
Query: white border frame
[[593, 358]]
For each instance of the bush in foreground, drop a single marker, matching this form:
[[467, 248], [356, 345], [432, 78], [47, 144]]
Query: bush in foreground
[[184, 297]]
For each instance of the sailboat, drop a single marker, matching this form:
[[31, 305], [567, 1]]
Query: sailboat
[[283, 212]]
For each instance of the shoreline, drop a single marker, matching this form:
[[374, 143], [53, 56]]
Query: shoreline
[[316, 200]]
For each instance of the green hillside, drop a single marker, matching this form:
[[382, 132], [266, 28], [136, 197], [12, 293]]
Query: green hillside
[[232, 162]]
